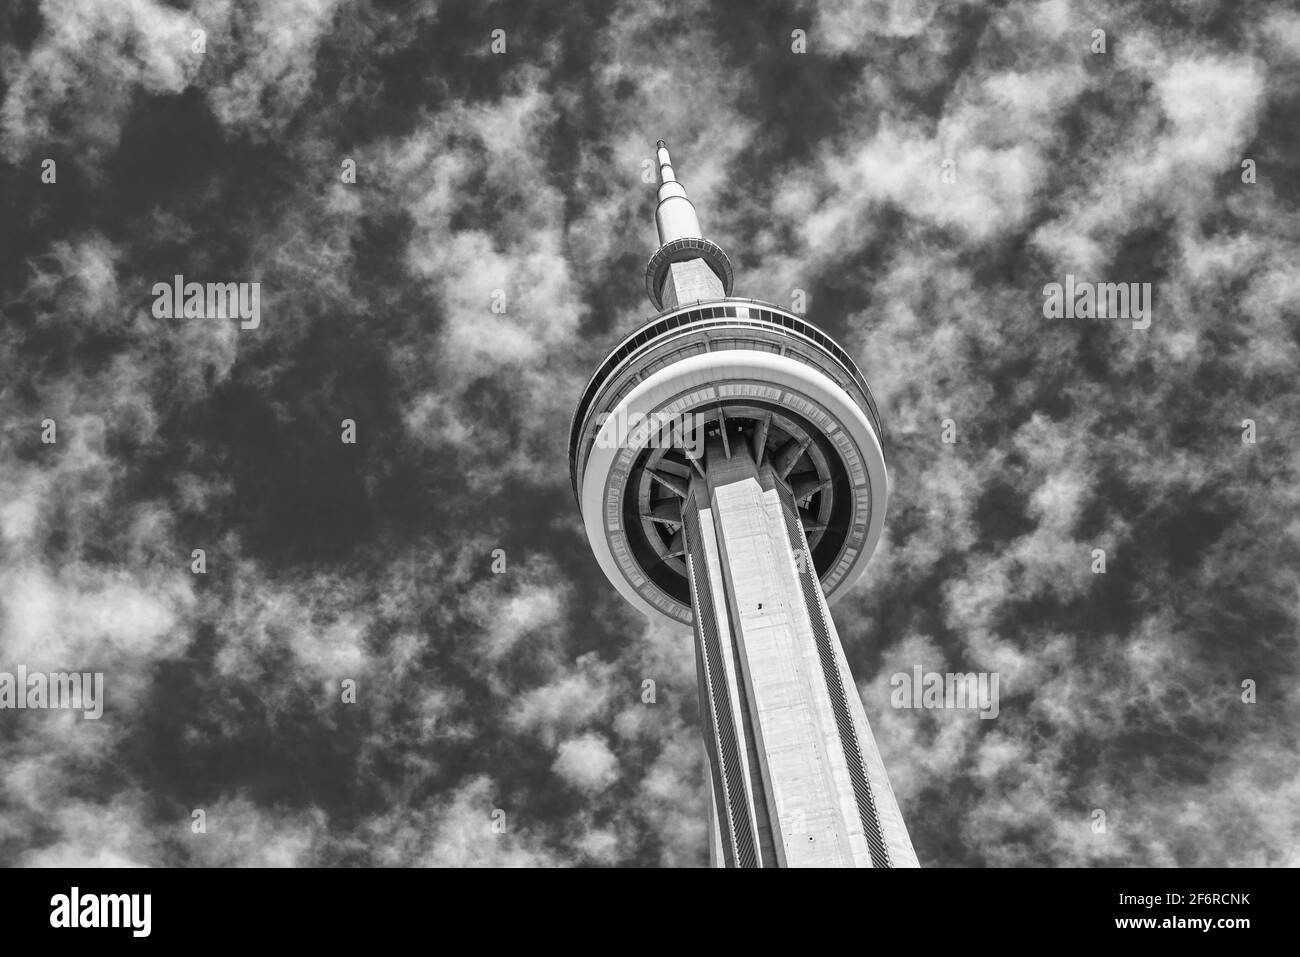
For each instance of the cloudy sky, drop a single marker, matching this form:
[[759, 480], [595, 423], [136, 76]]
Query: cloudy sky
[[515, 178]]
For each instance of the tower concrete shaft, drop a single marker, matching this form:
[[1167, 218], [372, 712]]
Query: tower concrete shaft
[[796, 779]]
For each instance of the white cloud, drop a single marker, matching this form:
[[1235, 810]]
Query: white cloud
[[586, 763]]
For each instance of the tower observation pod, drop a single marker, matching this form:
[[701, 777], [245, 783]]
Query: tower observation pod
[[728, 461]]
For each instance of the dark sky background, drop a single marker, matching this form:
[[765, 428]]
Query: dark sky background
[[522, 172]]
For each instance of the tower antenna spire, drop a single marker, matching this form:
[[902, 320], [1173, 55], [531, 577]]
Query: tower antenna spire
[[686, 267], [675, 216]]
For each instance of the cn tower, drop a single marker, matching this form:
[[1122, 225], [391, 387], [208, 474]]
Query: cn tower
[[728, 460]]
